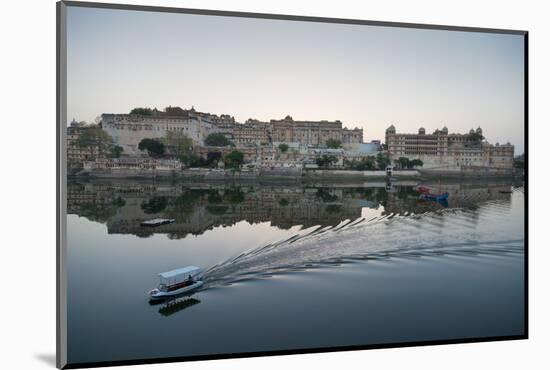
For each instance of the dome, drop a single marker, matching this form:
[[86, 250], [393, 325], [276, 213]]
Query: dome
[[472, 131], [391, 129], [421, 131], [479, 130], [445, 129]]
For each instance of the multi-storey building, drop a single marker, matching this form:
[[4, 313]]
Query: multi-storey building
[[352, 136], [127, 130], [294, 132], [76, 154], [252, 132], [305, 132], [441, 150]]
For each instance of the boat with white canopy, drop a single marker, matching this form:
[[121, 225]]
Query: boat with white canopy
[[175, 282]]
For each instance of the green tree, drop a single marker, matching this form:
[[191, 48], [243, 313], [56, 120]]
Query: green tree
[[153, 147], [116, 151], [178, 143], [94, 138], [334, 143], [234, 159], [326, 160], [416, 163], [283, 148], [191, 160], [402, 162], [217, 139], [382, 160], [475, 137], [365, 164], [212, 158], [142, 111]]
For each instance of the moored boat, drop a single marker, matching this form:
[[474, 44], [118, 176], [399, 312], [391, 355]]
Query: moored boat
[[176, 282], [157, 222], [438, 197], [425, 193]]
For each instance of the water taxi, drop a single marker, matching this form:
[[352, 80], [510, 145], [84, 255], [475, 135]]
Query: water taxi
[[175, 282]]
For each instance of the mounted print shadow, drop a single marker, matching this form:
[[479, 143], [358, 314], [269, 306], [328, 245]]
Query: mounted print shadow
[[235, 184]]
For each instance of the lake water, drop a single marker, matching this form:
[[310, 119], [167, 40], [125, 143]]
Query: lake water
[[291, 266]]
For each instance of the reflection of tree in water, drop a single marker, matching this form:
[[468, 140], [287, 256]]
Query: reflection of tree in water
[[404, 192], [216, 209], [325, 195], [118, 202], [283, 202], [334, 208], [154, 205], [367, 193], [101, 211], [214, 197], [234, 195], [381, 196]]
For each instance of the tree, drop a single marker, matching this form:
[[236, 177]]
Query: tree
[[283, 148], [116, 151], [382, 161], [191, 160], [475, 137], [402, 162], [153, 147], [217, 139], [334, 143], [283, 202], [94, 138], [416, 163], [142, 111], [177, 142], [212, 158], [326, 160], [367, 163], [234, 159]]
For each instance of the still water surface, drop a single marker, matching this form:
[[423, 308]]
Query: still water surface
[[290, 266]]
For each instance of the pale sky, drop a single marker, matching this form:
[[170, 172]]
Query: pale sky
[[365, 76]]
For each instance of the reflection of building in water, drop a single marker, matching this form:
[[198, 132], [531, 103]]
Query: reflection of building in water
[[201, 207], [196, 210], [461, 195]]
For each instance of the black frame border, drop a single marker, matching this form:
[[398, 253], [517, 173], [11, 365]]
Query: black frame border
[[61, 318]]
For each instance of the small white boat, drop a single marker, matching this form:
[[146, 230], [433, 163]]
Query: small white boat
[[176, 282]]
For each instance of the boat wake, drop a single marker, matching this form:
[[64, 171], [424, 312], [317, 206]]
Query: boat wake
[[487, 229]]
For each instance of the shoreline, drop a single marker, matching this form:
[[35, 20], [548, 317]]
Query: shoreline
[[292, 176]]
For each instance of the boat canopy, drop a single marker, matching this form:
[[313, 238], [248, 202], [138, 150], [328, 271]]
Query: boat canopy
[[182, 272]]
